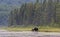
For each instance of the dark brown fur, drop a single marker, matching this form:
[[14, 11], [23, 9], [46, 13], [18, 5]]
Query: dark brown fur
[[35, 29]]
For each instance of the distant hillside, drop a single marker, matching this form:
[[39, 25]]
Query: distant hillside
[[10, 4], [45, 14], [7, 5]]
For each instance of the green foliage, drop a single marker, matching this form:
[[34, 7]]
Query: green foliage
[[45, 14]]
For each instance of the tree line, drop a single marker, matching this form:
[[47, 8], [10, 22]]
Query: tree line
[[39, 14]]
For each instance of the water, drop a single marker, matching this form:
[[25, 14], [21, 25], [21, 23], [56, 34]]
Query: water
[[28, 34]]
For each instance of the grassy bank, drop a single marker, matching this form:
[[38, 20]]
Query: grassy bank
[[49, 29], [41, 29]]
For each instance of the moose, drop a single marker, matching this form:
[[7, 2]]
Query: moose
[[35, 29]]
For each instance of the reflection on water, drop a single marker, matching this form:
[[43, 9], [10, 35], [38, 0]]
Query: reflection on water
[[50, 36], [27, 34]]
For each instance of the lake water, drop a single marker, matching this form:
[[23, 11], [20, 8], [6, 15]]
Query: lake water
[[28, 34]]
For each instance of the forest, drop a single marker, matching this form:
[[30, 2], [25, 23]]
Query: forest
[[44, 13]]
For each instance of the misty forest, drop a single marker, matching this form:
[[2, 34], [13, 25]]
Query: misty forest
[[40, 13]]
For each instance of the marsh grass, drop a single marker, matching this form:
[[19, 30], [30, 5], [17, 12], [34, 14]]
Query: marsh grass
[[29, 28]]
